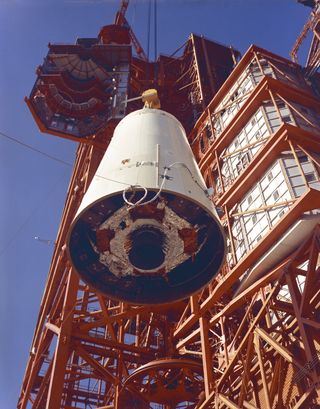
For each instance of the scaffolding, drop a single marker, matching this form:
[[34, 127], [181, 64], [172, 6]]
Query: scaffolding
[[250, 339]]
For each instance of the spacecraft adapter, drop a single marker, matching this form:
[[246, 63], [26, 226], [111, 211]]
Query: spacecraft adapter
[[146, 231]]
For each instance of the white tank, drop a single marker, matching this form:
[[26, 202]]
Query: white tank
[[146, 230]]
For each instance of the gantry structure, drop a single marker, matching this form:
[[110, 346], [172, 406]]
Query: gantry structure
[[251, 338], [311, 28]]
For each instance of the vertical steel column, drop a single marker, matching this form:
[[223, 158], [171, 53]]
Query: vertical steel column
[[196, 60], [206, 356], [62, 352]]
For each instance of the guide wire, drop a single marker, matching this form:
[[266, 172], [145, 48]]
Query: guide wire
[[25, 145], [155, 43], [54, 158]]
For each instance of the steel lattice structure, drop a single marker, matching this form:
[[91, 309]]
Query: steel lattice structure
[[251, 338]]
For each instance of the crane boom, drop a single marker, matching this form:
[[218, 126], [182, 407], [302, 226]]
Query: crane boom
[[136, 43], [121, 20], [120, 16]]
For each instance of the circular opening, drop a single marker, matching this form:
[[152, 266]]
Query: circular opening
[[146, 250]]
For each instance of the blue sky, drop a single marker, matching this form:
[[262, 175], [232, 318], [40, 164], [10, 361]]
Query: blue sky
[[33, 187]]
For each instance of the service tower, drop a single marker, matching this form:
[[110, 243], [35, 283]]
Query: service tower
[[138, 311]]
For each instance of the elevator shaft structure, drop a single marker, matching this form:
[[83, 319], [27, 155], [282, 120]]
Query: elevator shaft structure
[[250, 337]]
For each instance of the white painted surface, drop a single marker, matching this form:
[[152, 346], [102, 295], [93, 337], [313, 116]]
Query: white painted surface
[[144, 143], [290, 241]]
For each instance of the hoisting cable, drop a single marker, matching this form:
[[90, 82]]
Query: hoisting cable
[[155, 31], [155, 15], [148, 41], [149, 30]]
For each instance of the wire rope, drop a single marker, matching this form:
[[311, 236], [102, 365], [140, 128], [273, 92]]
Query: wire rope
[[155, 18], [149, 30], [54, 158], [25, 145]]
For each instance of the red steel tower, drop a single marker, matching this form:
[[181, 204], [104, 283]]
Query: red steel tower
[[249, 339]]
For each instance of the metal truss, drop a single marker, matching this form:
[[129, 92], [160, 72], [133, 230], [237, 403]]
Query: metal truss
[[311, 26], [259, 348]]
